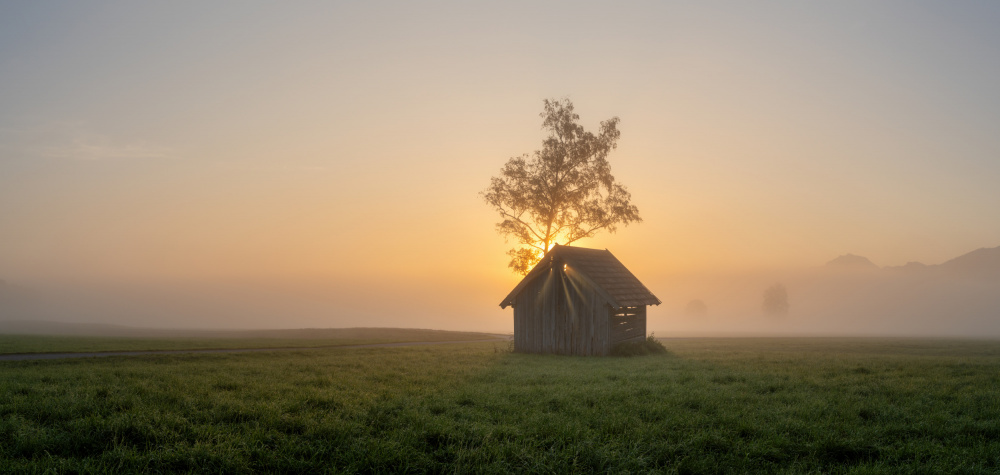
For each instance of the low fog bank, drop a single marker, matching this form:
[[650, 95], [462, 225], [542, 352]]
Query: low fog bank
[[873, 304], [42, 327], [849, 296], [250, 305]]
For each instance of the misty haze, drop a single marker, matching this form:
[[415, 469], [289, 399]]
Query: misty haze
[[848, 296], [511, 237]]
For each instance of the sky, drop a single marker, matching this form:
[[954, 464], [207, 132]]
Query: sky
[[294, 164]]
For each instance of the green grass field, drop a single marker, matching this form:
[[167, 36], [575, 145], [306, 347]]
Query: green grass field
[[200, 340], [710, 406]]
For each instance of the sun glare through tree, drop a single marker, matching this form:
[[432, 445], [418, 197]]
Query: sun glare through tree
[[562, 193]]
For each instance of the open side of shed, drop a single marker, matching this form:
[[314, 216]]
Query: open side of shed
[[578, 301]]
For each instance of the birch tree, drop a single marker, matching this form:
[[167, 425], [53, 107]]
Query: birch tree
[[562, 193]]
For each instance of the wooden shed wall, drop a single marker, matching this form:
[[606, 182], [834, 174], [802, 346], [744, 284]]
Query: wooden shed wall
[[557, 313]]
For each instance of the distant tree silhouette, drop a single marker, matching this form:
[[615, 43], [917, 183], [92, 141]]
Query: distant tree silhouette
[[776, 300], [696, 308], [564, 192]]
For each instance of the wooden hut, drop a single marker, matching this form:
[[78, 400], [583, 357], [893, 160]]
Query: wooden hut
[[578, 301]]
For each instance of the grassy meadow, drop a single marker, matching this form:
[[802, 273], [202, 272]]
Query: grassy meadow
[[709, 406], [204, 340]]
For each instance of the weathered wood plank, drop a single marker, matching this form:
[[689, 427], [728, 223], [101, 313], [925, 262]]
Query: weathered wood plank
[[559, 314]]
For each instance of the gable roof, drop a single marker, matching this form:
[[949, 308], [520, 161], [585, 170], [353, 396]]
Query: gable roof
[[600, 268]]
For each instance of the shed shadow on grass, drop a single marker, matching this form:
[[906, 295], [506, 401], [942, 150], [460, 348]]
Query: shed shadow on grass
[[649, 346]]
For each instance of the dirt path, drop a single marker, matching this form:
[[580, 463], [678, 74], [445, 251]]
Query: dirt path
[[53, 356]]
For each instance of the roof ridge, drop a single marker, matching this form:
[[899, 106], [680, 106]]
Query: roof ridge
[[619, 285]]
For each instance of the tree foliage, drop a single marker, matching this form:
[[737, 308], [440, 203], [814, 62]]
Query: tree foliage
[[562, 193]]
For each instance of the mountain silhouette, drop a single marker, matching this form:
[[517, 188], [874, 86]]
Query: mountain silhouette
[[852, 261], [982, 263], [911, 266]]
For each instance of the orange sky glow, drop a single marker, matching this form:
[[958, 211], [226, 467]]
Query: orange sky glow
[[276, 165]]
